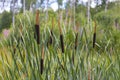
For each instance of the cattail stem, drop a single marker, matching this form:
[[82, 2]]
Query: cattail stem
[[37, 27], [59, 27]]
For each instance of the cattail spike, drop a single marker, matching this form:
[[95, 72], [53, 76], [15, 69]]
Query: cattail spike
[[42, 61], [94, 39], [94, 36], [37, 27], [41, 66], [37, 34], [62, 43]]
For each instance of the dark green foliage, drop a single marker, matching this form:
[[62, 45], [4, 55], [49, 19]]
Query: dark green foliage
[[5, 20]]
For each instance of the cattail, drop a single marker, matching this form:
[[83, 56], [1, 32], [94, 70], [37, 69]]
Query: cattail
[[94, 36], [37, 27], [61, 37], [62, 43], [42, 61]]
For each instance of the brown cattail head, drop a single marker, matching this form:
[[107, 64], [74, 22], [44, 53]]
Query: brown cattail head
[[37, 34], [41, 65], [94, 36], [42, 61], [37, 27], [37, 17], [62, 43]]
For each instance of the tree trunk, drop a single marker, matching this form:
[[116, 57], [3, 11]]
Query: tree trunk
[[13, 16], [47, 10], [74, 14], [88, 12], [24, 7], [106, 5]]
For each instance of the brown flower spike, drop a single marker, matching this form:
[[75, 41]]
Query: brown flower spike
[[94, 36], [61, 37], [37, 27]]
